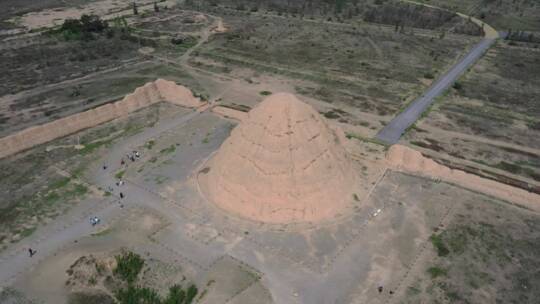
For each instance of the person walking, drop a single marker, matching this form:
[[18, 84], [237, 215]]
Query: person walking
[[31, 252], [121, 195]]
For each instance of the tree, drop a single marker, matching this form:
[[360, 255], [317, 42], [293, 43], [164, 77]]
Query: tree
[[156, 7], [191, 293], [137, 295], [128, 266], [135, 11], [83, 28]]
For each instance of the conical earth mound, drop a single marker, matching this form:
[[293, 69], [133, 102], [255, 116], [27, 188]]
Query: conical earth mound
[[282, 164]]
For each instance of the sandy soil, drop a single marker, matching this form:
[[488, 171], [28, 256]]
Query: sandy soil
[[105, 8]]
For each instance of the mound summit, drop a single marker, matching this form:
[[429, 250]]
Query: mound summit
[[281, 164]]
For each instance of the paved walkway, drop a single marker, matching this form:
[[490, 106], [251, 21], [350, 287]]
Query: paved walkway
[[393, 131]]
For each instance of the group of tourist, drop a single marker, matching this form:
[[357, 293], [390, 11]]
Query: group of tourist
[[133, 156]]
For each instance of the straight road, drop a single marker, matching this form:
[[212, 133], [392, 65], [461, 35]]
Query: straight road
[[393, 131]]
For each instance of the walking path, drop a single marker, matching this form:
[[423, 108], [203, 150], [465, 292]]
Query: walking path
[[64, 231]]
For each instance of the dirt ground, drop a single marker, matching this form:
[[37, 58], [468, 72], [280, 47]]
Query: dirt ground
[[487, 253], [36, 186], [421, 240], [386, 237]]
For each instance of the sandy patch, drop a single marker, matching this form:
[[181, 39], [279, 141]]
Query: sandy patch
[[53, 17]]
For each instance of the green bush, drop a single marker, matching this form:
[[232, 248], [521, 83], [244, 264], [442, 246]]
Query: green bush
[[120, 174], [168, 150], [439, 245], [82, 29], [435, 272], [137, 295], [128, 266], [535, 125], [429, 75], [191, 293], [512, 168], [176, 295], [144, 295]]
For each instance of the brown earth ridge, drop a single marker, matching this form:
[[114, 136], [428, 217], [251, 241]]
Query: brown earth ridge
[[146, 95], [402, 158]]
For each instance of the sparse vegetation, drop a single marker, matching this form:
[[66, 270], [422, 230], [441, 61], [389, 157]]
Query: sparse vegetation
[[494, 101], [149, 144], [435, 272], [481, 249], [33, 193], [129, 265], [365, 139], [429, 75], [134, 294], [120, 174], [168, 150], [439, 245]]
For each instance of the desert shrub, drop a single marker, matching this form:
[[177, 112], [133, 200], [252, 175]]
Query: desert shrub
[[506, 166], [128, 266], [534, 125], [435, 272], [429, 75], [331, 115], [439, 245]]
